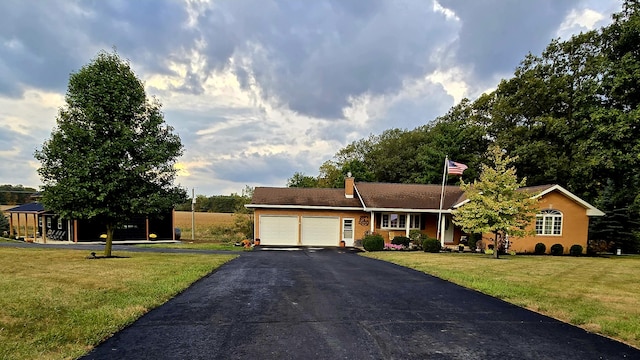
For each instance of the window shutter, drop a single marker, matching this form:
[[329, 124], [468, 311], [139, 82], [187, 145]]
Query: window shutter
[[378, 218], [423, 221]]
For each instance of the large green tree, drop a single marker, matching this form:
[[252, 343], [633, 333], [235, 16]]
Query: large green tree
[[300, 180], [494, 203], [111, 155]]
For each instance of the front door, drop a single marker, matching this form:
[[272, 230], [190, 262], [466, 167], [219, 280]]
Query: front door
[[347, 231], [448, 229]]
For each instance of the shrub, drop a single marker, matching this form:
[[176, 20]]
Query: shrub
[[431, 245], [473, 239], [598, 246], [575, 250], [489, 251], [401, 240], [373, 242], [4, 224], [540, 249], [415, 236], [557, 249]]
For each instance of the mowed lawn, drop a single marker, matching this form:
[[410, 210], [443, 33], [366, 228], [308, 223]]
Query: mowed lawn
[[599, 294], [57, 304], [209, 226]]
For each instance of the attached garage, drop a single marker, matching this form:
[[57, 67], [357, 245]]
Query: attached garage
[[320, 230], [308, 217], [278, 230]]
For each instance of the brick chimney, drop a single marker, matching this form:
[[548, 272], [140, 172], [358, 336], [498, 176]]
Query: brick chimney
[[349, 182]]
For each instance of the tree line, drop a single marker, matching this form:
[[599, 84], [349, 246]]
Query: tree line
[[233, 203], [15, 194], [570, 116]]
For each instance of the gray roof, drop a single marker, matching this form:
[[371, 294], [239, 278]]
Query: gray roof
[[34, 207], [407, 196], [302, 197]]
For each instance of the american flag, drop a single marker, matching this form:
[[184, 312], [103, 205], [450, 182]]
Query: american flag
[[455, 168]]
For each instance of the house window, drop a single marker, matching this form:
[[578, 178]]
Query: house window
[[59, 224], [549, 222], [414, 221], [48, 223], [399, 221]]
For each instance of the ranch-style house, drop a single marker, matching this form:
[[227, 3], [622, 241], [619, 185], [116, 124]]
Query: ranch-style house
[[326, 217]]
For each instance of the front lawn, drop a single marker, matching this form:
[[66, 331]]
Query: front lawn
[[599, 294], [58, 304], [196, 246]]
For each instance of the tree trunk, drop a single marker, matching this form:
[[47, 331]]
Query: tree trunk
[[496, 254], [109, 244]]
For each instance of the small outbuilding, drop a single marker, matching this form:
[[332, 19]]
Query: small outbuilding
[[34, 223]]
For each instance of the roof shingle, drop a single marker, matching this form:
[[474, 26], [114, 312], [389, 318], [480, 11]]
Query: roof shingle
[[303, 197], [407, 196]]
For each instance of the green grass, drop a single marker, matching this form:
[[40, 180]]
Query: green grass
[[196, 246], [57, 304], [600, 294]]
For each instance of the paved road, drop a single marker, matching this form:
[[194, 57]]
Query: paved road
[[333, 304]]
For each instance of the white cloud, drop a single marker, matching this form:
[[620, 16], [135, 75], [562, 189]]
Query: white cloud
[[579, 21]]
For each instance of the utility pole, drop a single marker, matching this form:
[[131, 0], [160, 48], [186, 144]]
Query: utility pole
[[193, 213]]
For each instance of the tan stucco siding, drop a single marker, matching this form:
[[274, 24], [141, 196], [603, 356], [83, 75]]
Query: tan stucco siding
[[575, 226], [361, 219]]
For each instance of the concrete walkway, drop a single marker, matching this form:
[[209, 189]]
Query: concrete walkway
[[333, 304]]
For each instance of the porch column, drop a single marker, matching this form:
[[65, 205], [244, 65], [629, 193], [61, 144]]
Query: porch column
[[11, 224], [372, 223], [44, 230], [407, 221], [35, 227], [19, 225]]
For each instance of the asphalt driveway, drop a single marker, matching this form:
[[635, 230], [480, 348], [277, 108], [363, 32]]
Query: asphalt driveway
[[334, 304]]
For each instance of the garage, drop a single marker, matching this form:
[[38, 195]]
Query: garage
[[278, 230], [320, 231]]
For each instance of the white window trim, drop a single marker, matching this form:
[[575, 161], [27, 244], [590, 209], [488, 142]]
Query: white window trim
[[549, 215], [408, 220]]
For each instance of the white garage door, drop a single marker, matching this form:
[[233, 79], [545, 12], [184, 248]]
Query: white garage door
[[320, 231], [278, 230]]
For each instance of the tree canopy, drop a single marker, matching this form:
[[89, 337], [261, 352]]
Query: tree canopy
[[111, 155], [570, 116]]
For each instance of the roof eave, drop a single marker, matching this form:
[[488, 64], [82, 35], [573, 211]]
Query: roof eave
[[406, 210], [308, 207]]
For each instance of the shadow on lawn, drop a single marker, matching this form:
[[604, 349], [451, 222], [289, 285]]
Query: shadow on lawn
[[94, 256]]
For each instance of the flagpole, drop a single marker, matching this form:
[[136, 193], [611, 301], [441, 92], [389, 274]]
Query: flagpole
[[444, 177]]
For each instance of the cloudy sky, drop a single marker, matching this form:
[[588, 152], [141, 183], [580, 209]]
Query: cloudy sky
[[260, 89]]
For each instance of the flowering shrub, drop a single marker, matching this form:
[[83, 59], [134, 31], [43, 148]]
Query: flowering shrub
[[389, 246], [401, 240]]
